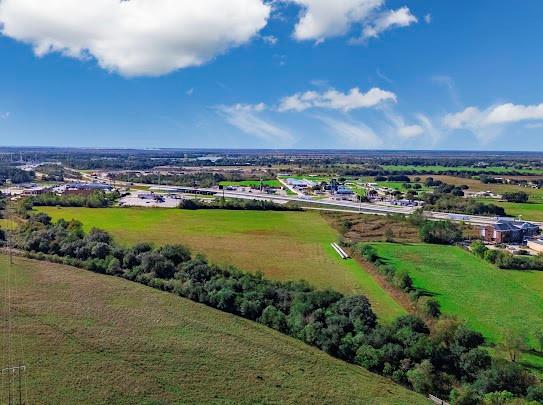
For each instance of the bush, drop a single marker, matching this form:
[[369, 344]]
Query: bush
[[516, 197]]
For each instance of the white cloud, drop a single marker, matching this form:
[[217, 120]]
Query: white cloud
[[321, 19], [352, 134], [428, 18], [487, 124], [472, 117], [400, 128], [136, 37], [4, 115], [269, 39], [190, 92], [246, 118], [333, 99], [401, 17]]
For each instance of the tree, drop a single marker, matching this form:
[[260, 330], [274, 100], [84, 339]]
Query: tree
[[478, 248], [440, 232], [429, 307], [176, 253], [516, 197], [274, 318], [422, 377], [514, 343]]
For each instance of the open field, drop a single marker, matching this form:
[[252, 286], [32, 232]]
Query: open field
[[489, 299], [90, 338], [466, 169], [252, 183], [282, 245]]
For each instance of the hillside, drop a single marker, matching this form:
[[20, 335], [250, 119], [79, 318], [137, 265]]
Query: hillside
[[90, 338], [281, 245]]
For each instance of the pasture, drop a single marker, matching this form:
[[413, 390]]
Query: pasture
[[281, 245], [491, 300], [93, 339]]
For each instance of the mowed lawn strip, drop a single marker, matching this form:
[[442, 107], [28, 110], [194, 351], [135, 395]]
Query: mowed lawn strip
[[95, 339], [489, 299], [281, 245]]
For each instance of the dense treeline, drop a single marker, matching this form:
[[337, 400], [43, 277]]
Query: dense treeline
[[506, 260], [14, 174], [237, 204], [96, 199], [186, 180], [446, 359]]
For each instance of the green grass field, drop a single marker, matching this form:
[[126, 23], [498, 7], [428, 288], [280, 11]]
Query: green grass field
[[489, 299], [93, 339], [466, 169], [252, 183], [282, 245], [530, 211]]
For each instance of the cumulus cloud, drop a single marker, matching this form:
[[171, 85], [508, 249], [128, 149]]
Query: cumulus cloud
[[322, 19], [136, 37], [472, 117], [388, 20], [488, 123], [352, 134], [336, 100], [247, 118]]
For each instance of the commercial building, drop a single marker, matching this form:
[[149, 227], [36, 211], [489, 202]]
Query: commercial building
[[509, 231]]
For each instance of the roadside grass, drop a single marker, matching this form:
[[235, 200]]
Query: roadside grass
[[252, 183], [436, 169], [281, 245], [95, 339], [490, 300]]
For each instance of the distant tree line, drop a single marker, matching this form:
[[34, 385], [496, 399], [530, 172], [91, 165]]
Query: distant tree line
[[237, 204], [95, 199], [204, 180], [444, 360]]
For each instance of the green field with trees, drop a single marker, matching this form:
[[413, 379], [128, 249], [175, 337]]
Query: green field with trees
[[92, 338], [281, 245], [491, 300]]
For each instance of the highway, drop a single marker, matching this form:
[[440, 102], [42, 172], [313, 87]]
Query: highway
[[346, 206]]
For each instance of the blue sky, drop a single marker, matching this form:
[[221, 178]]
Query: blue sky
[[354, 74]]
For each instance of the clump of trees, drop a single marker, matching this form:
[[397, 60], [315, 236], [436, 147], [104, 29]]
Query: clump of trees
[[96, 199], [237, 204], [451, 203], [440, 232], [439, 360], [506, 260], [516, 197]]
